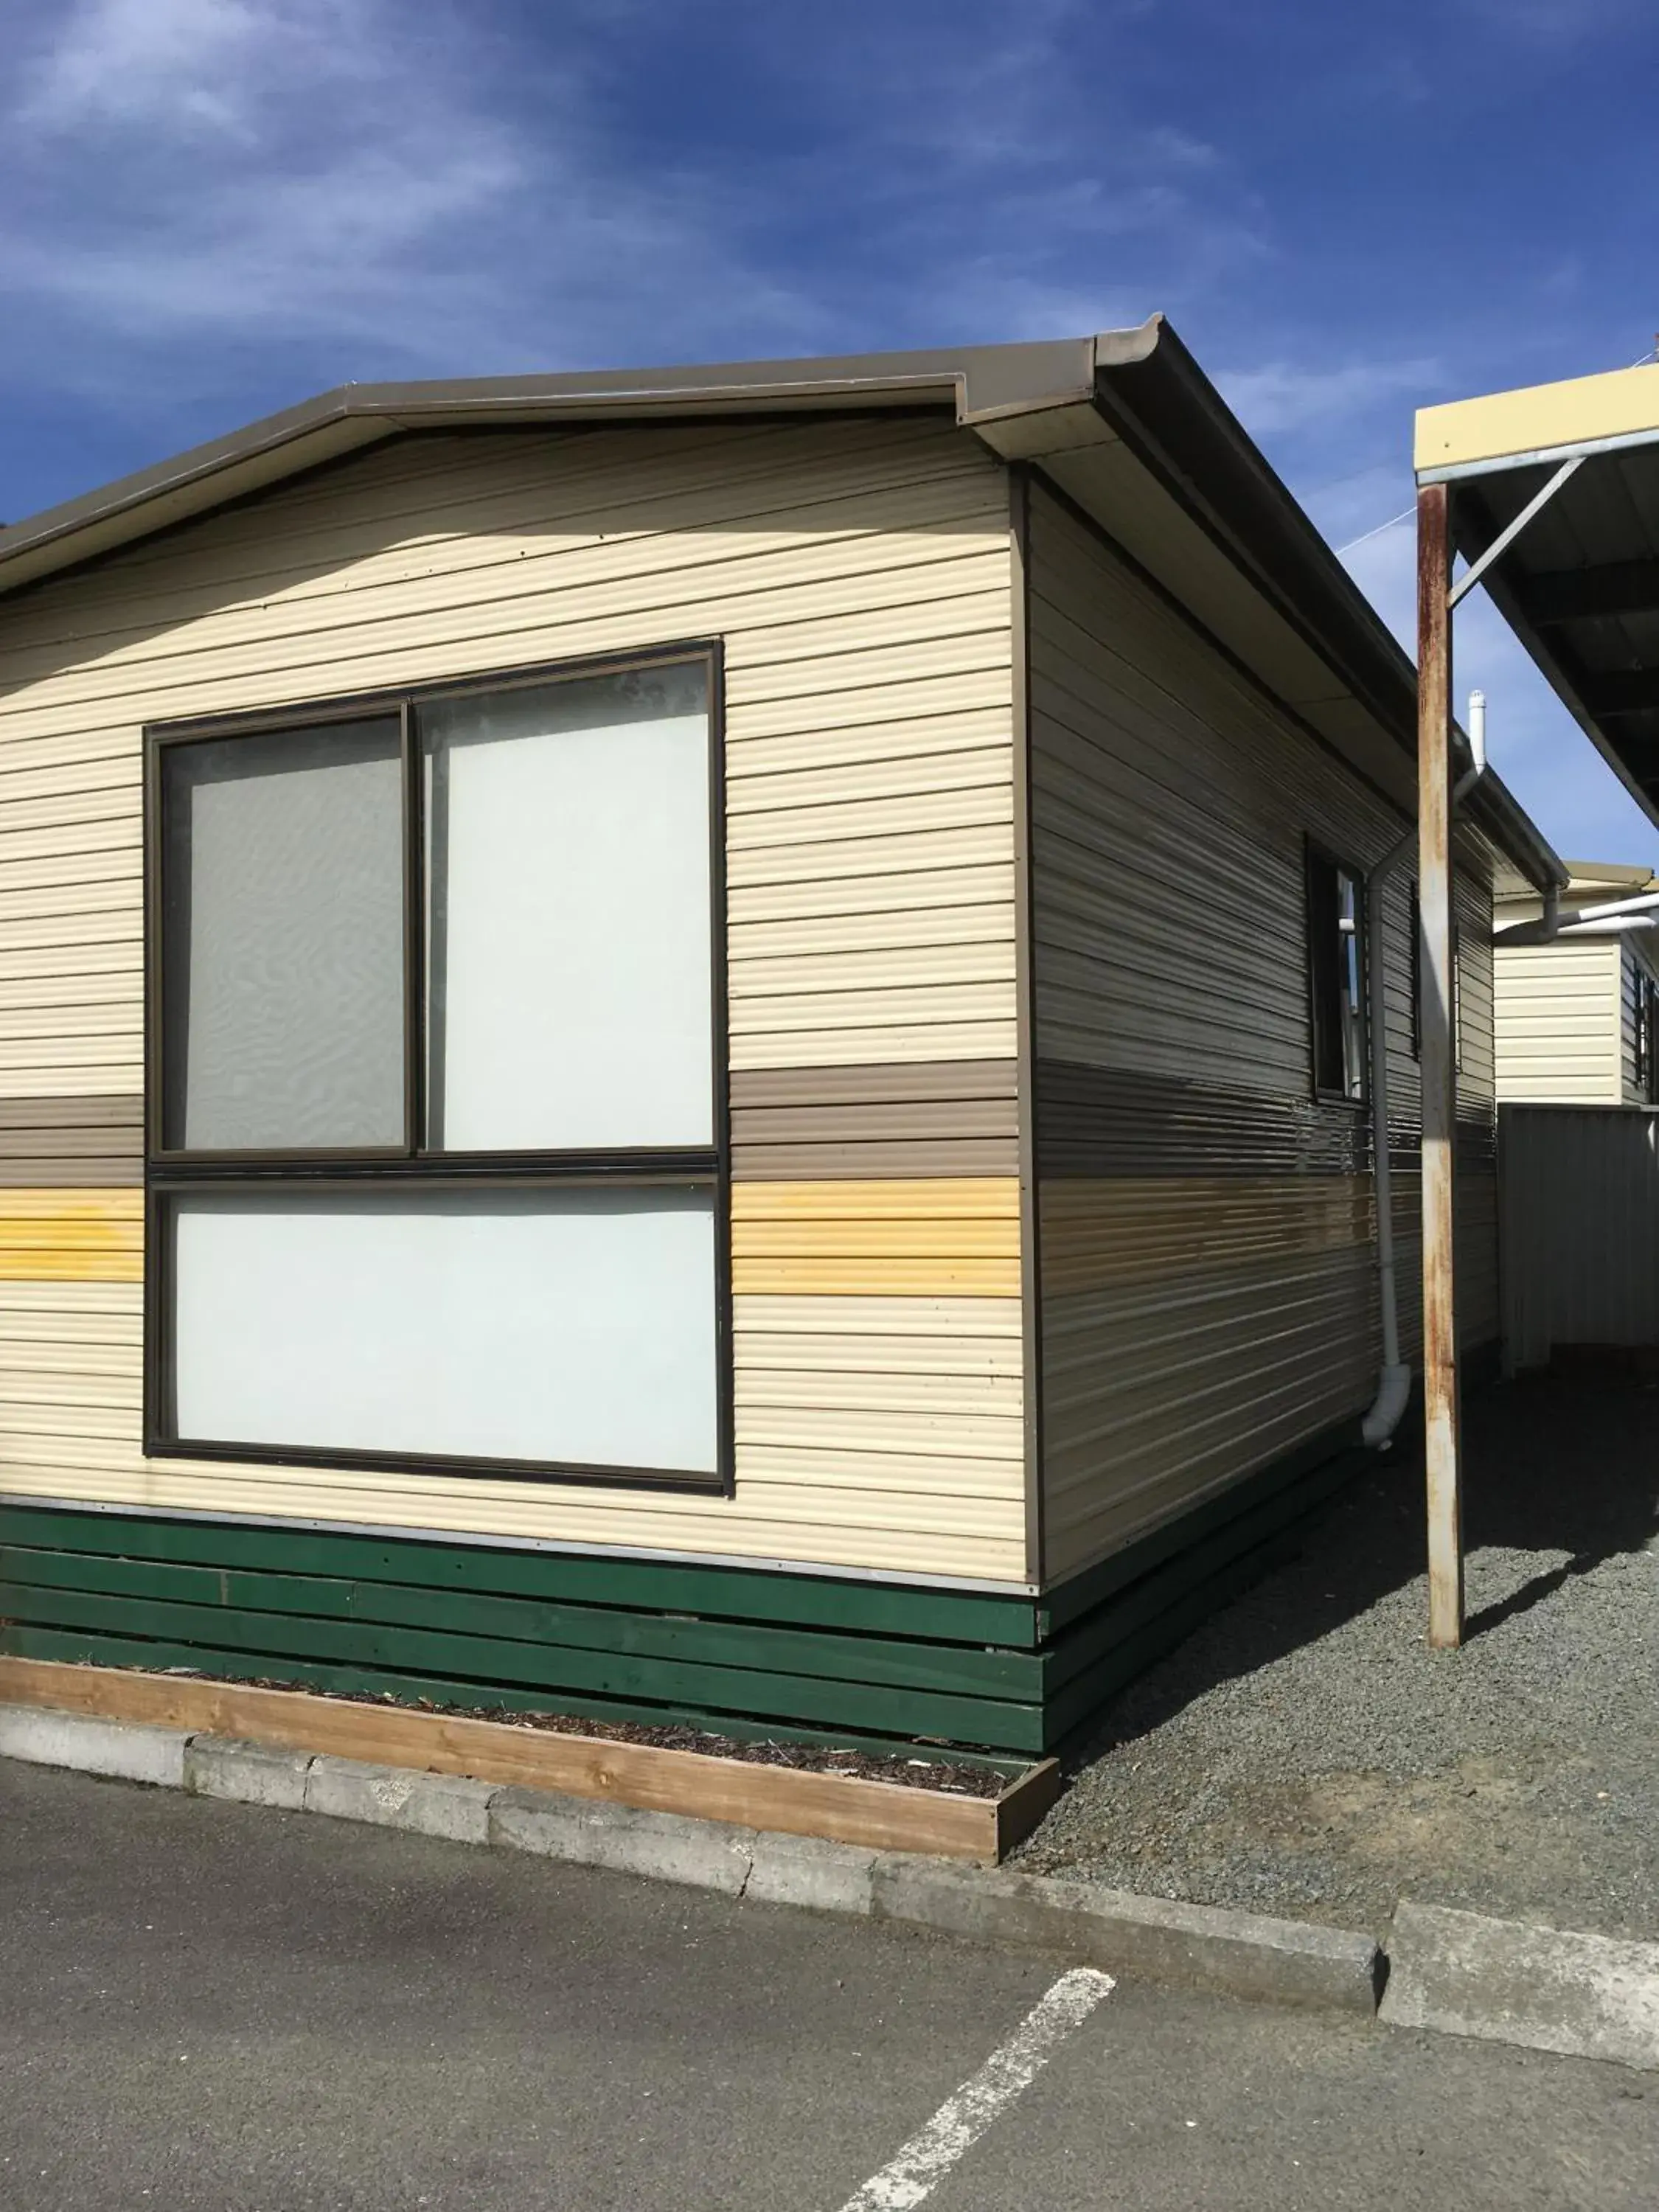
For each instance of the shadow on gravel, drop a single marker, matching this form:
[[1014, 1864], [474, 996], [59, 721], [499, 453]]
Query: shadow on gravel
[[1549, 1467], [1304, 1751], [1560, 1466]]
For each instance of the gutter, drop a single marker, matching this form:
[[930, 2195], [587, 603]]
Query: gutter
[[1614, 918]]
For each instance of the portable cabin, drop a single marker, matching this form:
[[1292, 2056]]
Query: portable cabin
[[1577, 1010], [694, 1044]]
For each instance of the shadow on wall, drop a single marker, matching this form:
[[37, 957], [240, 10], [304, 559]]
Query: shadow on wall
[[1551, 1465]]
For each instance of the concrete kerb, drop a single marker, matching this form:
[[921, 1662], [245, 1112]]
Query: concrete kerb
[[1453, 1971], [663, 1846], [247, 1773], [126, 1751], [1511, 1981], [1153, 1938], [1200, 1946]]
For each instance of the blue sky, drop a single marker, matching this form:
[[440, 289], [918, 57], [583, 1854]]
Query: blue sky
[[218, 206]]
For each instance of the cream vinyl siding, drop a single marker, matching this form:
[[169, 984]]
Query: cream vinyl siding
[[857, 572], [1479, 1293], [1559, 1023], [1207, 1249]]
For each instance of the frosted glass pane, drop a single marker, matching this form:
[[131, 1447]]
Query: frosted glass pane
[[283, 926], [574, 1327], [568, 915]]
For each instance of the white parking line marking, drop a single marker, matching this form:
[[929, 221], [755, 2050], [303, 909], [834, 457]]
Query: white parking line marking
[[963, 2119]]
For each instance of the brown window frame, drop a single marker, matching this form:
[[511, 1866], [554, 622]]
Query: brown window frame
[[1315, 857], [1646, 1038], [170, 1170]]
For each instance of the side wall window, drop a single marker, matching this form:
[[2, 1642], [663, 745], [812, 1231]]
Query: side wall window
[[1646, 1039], [437, 1160], [1336, 972]]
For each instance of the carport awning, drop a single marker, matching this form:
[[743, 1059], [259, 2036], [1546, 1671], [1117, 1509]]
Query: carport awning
[[1579, 583]]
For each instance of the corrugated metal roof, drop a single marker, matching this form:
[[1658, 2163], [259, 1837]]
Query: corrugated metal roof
[[1580, 583], [1580, 587]]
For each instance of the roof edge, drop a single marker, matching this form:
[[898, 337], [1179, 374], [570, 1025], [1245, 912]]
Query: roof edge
[[978, 383], [1166, 409], [1494, 808], [1503, 428], [1143, 382]]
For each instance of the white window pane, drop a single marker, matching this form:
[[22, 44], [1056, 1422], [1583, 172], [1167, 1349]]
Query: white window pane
[[282, 925], [569, 920], [573, 1326]]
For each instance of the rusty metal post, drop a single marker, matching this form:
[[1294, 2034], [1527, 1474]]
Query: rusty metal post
[[1439, 1065]]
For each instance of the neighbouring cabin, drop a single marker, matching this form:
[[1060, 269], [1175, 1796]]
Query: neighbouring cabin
[[1577, 1017], [694, 1047]]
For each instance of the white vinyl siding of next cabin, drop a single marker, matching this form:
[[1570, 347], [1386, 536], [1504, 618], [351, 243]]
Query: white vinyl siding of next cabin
[[1561, 1023], [858, 574]]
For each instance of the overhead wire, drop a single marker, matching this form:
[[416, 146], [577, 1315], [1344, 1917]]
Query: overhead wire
[[1377, 532]]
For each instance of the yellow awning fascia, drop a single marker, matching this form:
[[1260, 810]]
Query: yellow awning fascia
[[1540, 422]]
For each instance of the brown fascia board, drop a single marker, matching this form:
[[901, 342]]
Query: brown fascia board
[[1170, 415], [1493, 806]]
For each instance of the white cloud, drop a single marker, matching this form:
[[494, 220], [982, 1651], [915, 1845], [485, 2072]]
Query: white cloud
[[147, 63], [1557, 23], [1002, 193], [1287, 396], [356, 187], [336, 174], [207, 197]]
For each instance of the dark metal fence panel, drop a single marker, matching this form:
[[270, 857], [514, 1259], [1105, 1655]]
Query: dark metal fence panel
[[1580, 1229]]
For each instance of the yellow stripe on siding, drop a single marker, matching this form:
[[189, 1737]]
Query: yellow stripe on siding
[[1097, 1234], [876, 1275], [933, 1238], [72, 1236]]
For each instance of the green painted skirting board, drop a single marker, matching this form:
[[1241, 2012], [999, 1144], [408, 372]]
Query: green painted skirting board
[[739, 1651]]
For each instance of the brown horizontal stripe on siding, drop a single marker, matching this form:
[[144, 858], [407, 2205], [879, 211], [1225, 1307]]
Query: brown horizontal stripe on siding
[[48, 1144], [967, 1156], [884, 1083], [1107, 1122], [1119, 1121], [957, 1117]]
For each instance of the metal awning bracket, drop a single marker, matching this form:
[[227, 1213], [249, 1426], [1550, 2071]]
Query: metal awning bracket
[[1506, 537]]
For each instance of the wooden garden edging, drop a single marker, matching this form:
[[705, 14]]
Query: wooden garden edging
[[844, 1809]]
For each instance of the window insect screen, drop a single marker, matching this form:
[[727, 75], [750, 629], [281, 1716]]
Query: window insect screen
[[282, 941]]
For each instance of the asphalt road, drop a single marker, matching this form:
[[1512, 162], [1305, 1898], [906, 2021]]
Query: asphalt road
[[218, 2009]]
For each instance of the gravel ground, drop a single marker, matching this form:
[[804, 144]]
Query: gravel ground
[[1307, 1754]]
